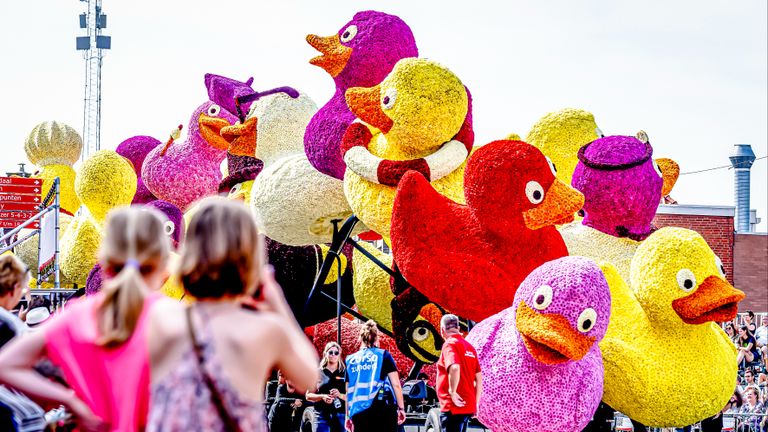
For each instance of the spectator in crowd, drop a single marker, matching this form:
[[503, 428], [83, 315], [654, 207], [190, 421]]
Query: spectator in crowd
[[285, 413], [100, 342], [431, 398], [730, 330], [749, 379], [761, 336], [210, 359], [330, 394], [746, 345], [752, 405], [749, 321], [16, 410], [459, 379], [37, 316], [374, 395]]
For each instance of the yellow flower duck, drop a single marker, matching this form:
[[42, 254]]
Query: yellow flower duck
[[105, 180], [422, 118], [667, 362], [560, 135], [293, 202]]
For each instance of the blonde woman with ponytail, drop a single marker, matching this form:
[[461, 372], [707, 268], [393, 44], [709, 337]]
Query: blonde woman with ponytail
[[100, 342]]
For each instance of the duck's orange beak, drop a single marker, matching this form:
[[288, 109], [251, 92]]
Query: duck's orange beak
[[714, 300], [670, 171], [550, 338], [365, 104], [334, 56], [560, 203], [241, 137], [210, 128]]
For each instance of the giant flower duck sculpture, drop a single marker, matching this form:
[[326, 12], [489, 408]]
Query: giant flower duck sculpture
[[183, 172], [293, 203], [542, 367], [622, 186], [136, 149], [676, 296], [361, 54], [471, 258], [421, 115]]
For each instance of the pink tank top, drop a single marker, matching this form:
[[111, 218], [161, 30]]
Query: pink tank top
[[114, 382]]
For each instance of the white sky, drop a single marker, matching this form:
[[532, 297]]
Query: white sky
[[692, 73]]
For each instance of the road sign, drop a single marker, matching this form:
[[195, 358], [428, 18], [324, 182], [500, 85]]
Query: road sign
[[14, 189], [20, 181], [16, 215], [18, 206], [10, 224], [32, 199]]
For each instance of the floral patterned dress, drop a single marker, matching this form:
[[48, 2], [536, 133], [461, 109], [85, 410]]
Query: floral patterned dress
[[182, 401]]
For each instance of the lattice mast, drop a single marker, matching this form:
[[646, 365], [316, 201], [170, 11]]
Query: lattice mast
[[93, 46]]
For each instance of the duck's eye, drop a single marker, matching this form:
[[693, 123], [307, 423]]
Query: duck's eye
[[658, 169], [214, 110], [388, 101], [720, 266], [349, 33], [686, 280], [534, 192], [552, 166], [587, 320], [169, 228], [235, 189], [599, 133], [420, 334], [542, 298]]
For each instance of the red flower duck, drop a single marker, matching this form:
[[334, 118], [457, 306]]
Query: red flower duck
[[471, 258]]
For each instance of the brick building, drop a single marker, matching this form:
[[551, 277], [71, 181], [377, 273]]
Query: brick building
[[744, 255]]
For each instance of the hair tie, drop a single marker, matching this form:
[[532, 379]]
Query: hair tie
[[132, 263]]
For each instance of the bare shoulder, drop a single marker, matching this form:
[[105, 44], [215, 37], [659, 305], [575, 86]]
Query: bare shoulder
[[262, 325], [166, 316]]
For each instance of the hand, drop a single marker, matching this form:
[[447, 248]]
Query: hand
[[328, 399], [349, 425], [86, 419], [272, 298], [400, 416], [457, 400], [335, 393], [297, 404], [23, 313]]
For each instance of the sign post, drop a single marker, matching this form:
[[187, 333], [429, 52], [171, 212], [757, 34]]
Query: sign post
[[19, 201]]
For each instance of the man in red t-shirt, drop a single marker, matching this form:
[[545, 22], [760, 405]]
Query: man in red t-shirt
[[459, 380]]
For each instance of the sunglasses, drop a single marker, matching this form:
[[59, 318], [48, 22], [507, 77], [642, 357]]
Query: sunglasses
[[333, 352]]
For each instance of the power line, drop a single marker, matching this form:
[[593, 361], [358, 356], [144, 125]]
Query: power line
[[716, 168]]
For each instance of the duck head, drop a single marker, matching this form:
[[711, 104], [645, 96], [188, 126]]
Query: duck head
[[174, 223], [206, 124], [274, 126], [419, 106], [560, 134], [622, 185], [562, 310], [105, 180], [511, 184], [677, 279], [365, 49]]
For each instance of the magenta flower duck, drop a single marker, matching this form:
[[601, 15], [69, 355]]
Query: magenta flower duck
[[183, 172], [542, 366], [361, 54], [136, 149]]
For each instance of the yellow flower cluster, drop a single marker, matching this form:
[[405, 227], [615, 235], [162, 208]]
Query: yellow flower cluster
[[560, 135], [585, 241], [371, 286]]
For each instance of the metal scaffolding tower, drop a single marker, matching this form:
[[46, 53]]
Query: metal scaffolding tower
[[93, 46]]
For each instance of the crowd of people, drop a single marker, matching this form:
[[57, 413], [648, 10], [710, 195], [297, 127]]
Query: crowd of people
[[130, 359]]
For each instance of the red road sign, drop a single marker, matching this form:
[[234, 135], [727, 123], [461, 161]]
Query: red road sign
[[14, 223], [4, 206], [22, 215], [33, 199], [14, 189], [20, 181]]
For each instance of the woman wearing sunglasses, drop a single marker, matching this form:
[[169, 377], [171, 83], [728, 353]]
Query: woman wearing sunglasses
[[330, 395]]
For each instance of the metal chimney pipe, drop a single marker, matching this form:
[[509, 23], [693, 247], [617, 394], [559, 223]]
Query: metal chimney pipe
[[742, 158]]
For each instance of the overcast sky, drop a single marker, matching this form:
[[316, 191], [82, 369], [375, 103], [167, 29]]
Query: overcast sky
[[690, 73]]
